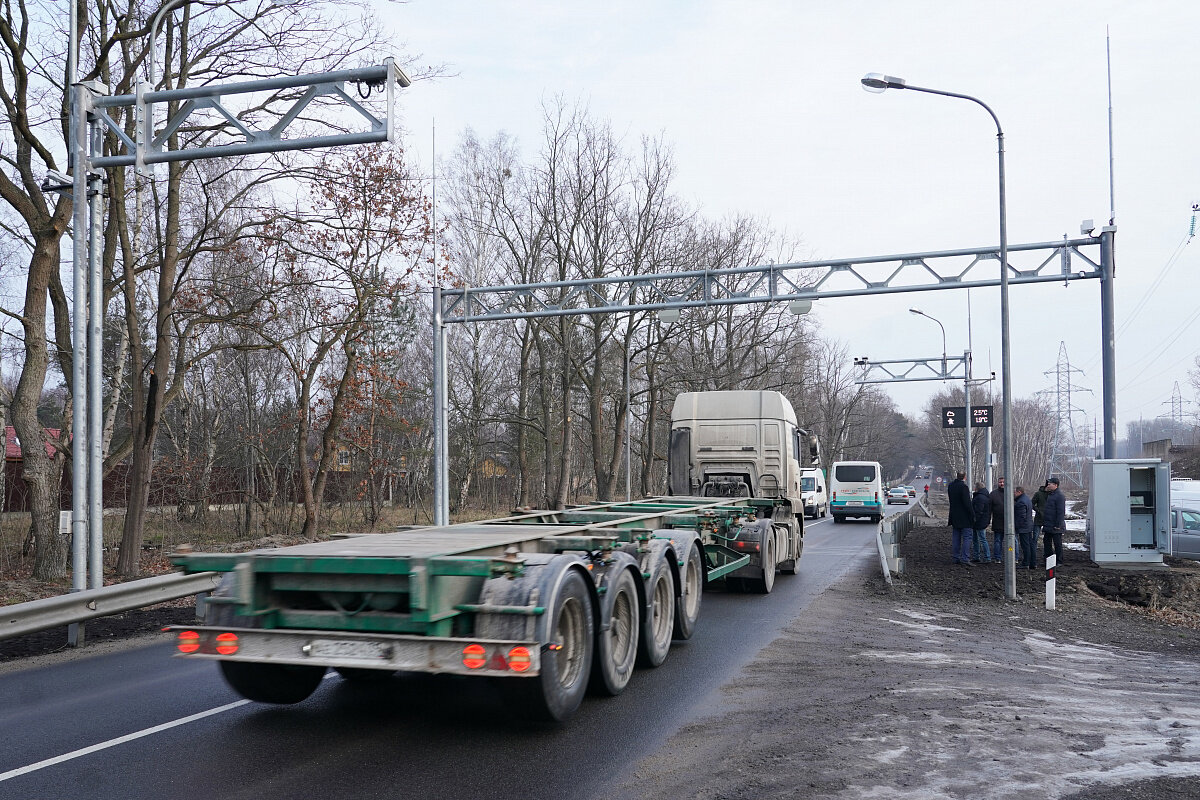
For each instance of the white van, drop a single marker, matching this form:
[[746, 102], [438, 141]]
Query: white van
[[856, 490], [814, 493]]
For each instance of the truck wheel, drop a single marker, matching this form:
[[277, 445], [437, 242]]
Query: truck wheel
[[364, 675], [691, 590], [837, 520], [616, 648], [766, 583], [282, 684], [659, 622], [557, 691]]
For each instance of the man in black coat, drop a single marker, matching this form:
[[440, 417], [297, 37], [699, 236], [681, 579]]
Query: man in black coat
[[1023, 523], [997, 500], [981, 504], [1054, 521], [962, 520]]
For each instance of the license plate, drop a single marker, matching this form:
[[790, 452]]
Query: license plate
[[853, 503], [337, 648]]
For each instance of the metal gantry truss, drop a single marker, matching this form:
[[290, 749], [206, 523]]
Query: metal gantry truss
[[386, 76], [1044, 262], [904, 370], [1066, 260]]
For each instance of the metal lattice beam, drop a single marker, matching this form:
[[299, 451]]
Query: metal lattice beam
[[936, 368], [1068, 260], [195, 99]]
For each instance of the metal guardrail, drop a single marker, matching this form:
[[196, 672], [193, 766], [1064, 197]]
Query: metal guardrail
[[887, 540], [53, 612]]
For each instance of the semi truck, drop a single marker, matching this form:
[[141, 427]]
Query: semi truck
[[743, 444], [548, 604]]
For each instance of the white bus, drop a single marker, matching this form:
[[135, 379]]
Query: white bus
[[856, 490]]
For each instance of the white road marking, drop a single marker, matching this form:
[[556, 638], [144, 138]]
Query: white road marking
[[129, 737], [49, 762]]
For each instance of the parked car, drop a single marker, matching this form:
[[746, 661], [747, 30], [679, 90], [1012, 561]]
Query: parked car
[[897, 495], [1185, 532]]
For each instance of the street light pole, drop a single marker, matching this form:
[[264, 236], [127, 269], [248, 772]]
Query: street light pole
[[940, 325], [967, 458], [874, 82]]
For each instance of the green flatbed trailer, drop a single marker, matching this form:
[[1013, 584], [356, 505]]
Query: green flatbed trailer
[[552, 602]]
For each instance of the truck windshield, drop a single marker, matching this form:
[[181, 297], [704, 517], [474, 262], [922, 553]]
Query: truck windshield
[[808, 484], [855, 473]]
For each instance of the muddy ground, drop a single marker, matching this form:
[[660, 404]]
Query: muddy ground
[[938, 687]]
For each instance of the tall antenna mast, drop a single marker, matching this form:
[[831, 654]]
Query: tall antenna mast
[[1112, 195]]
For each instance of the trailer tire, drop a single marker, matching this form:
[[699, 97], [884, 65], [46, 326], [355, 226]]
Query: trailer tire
[[659, 621], [555, 693], [766, 583], [616, 648], [691, 590], [281, 684]]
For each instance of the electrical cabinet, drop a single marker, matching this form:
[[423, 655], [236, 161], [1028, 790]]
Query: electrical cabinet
[[1129, 518]]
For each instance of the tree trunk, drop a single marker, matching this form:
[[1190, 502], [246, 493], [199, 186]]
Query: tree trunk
[[42, 475], [314, 491]]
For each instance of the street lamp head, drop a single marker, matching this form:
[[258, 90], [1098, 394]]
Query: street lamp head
[[669, 316], [876, 82], [800, 307]]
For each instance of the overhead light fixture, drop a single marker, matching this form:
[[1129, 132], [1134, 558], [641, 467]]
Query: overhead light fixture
[[800, 307]]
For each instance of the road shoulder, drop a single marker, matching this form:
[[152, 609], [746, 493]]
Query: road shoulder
[[878, 693]]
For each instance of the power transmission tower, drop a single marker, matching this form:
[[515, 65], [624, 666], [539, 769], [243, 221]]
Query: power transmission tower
[[1176, 403], [1065, 460]]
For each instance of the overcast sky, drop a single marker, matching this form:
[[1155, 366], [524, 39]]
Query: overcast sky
[[762, 104]]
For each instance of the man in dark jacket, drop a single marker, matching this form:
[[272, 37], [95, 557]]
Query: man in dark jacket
[[1023, 524], [981, 506], [1039, 500], [997, 500], [962, 519], [1054, 521]]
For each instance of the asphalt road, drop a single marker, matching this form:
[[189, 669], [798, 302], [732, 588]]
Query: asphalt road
[[141, 724]]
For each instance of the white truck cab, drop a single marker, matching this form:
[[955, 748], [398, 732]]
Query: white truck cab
[[738, 444]]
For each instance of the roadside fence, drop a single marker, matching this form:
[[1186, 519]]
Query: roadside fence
[[76, 607]]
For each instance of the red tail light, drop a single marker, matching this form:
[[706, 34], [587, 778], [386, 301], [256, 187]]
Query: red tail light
[[519, 659], [188, 641], [474, 656], [227, 643]]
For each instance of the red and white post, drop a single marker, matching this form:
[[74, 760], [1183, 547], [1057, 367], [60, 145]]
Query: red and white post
[[1051, 561]]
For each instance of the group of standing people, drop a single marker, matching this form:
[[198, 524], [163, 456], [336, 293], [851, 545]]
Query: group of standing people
[[970, 515]]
